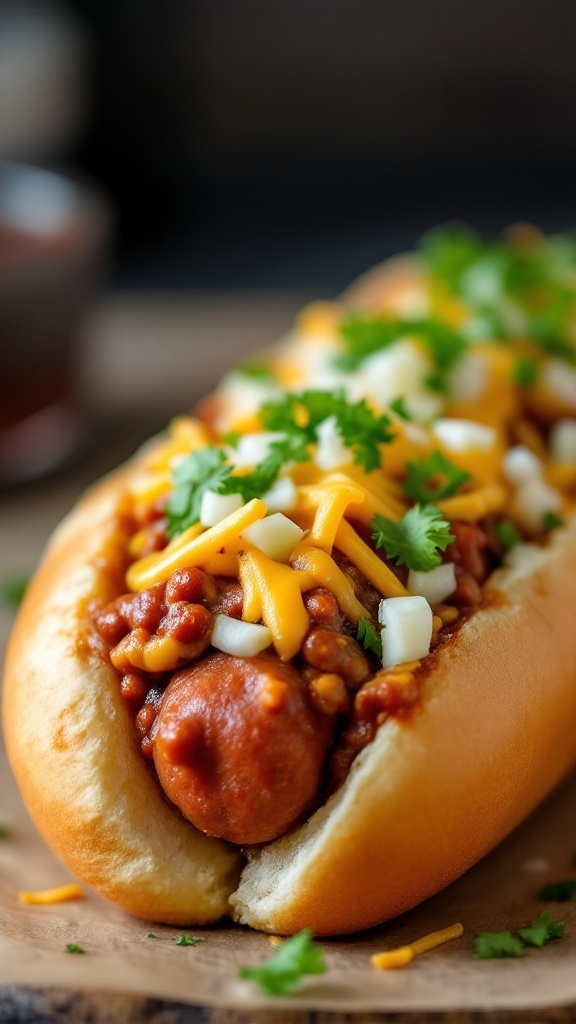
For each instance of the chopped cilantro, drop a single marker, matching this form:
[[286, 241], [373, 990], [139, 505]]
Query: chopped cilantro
[[500, 944], [186, 940], [525, 373], [151, 935], [299, 415], [202, 470], [256, 369], [73, 947], [12, 590], [550, 521], [541, 931], [559, 892], [506, 533], [369, 636], [415, 539], [282, 973], [450, 250], [433, 478], [398, 405], [491, 945], [363, 336]]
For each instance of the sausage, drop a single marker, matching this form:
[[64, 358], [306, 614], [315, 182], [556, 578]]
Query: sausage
[[239, 748]]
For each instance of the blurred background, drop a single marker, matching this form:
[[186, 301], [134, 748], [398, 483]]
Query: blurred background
[[244, 143], [218, 163]]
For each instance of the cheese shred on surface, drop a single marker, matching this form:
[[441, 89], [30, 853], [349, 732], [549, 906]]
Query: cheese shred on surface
[[404, 955], [62, 894]]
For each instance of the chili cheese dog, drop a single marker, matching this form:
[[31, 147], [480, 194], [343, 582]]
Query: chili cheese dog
[[309, 656]]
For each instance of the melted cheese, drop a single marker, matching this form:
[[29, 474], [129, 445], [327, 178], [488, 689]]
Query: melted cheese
[[62, 894], [375, 570], [273, 593], [192, 548], [404, 955]]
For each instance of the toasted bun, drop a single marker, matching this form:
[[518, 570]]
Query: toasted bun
[[491, 735]]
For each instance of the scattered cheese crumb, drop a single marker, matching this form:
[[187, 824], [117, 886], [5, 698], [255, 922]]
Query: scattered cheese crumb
[[63, 894]]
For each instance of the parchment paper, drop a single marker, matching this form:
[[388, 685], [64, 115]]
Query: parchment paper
[[499, 893]]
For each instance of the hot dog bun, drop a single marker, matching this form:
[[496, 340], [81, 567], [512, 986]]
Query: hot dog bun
[[490, 736]]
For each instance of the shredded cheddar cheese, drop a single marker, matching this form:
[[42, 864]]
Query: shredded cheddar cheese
[[62, 894], [404, 955], [193, 548]]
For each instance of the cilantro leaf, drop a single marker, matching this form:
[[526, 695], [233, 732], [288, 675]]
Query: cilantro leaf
[[299, 415], [281, 974], [559, 892], [369, 636], [525, 373], [363, 336], [506, 534], [186, 940], [550, 521], [415, 539], [398, 405], [542, 930], [256, 369], [73, 947], [491, 945], [433, 478], [202, 470], [450, 250]]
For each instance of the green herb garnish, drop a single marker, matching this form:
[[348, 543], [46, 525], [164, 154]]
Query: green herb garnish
[[151, 935], [506, 534], [73, 947], [256, 369], [416, 539], [550, 521], [201, 471], [282, 974], [186, 940], [398, 405], [542, 930], [5, 832], [490, 945], [369, 637], [525, 373], [558, 892], [298, 416], [433, 478]]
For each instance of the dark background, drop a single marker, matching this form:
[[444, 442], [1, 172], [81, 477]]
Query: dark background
[[290, 143]]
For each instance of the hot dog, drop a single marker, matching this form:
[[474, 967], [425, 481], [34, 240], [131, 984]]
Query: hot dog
[[309, 656]]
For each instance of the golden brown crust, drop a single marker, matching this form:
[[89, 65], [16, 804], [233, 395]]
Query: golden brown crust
[[73, 750]]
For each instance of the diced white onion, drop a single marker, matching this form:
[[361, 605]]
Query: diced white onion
[[252, 449], [276, 536], [435, 585], [215, 507], [400, 370], [532, 501], [464, 435], [282, 496], [560, 379], [521, 464], [243, 639], [331, 451], [406, 629], [469, 378], [239, 397], [563, 441]]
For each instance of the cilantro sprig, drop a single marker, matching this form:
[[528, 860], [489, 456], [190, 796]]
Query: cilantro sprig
[[298, 416], [494, 945], [433, 478], [364, 336], [369, 637], [416, 539], [282, 973], [201, 471]]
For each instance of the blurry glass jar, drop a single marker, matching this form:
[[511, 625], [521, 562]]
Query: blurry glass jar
[[52, 239]]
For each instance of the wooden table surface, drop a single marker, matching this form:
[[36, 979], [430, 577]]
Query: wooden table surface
[[132, 382]]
